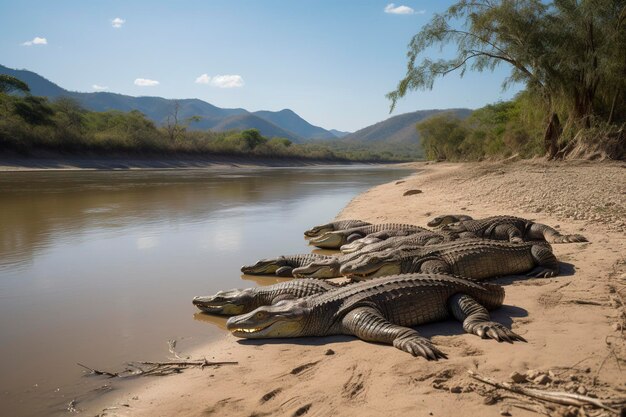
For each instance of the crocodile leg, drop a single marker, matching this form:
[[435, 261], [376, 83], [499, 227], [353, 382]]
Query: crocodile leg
[[514, 234], [476, 319], [354, 236], [284, 271], [547, 264], [368, 324], [435, 266]]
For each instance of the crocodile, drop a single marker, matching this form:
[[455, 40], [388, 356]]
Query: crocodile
[[329, 268], [420, 238], [332, 226], [472, 259], [333, 240], [240, 301], [445, 219], [382, 311], [281, 266], [513, 229]]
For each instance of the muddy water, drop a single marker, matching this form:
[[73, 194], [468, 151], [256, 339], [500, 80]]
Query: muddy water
[[100, 267]]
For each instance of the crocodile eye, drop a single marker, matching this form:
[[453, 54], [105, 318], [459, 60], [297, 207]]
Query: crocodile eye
[[260, 315]]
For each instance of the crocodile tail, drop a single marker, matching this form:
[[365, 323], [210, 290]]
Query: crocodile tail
[[568, 239], [538, 231]]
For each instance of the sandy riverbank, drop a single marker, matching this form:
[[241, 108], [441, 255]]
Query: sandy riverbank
[[572, 322]]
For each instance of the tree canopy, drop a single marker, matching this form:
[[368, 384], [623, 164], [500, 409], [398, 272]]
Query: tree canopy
[[9, 84], [571, 54]]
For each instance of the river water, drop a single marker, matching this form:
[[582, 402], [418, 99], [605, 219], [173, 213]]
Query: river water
[[100, 267]]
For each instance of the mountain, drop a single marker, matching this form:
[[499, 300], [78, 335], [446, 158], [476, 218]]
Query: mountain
[[291, 121], [251, 121], [398, 129], [284, 123], [339, 133]]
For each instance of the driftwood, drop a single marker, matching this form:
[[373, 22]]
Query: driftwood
[[149, 368], [563, 398]]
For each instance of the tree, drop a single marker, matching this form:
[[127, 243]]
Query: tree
[[441, 136], [34, 110], [569, 53], [9, 84], [69, 112], [174, 127], [279, 142]]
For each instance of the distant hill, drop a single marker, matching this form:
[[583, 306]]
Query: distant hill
[[339, 133], [289, 120], [398, 129], [251, 121], [284, 123]]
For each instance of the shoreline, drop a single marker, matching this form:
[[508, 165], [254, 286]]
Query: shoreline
[[567, 320], [120, 163]]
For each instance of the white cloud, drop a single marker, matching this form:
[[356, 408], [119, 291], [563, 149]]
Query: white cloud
[[117, 22], [144, 82], [393, 9], [99, 87], [36, 41], [203, 79], [221, 81]]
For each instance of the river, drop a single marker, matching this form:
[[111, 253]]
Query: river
[[100, 267]]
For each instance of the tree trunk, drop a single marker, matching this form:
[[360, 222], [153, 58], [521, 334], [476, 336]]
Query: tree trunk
[[551, 137], [613, 106]]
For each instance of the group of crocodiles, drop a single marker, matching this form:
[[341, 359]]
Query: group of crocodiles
[[400, 276]]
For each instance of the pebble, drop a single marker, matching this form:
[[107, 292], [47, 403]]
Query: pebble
[[582, 390], [517, 377], [329, 352], [542, 379], [456, 389], [532, 373], [412, 192], [489, 400], [505, 411], [571, 386]]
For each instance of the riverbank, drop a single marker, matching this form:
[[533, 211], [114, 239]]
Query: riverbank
[[572, 322], [74, 162]]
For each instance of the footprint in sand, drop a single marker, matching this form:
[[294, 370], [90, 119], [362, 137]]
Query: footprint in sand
[[355, 386], [270, 395], [302, 369]]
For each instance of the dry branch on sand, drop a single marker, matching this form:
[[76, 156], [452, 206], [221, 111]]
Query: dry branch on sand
[[159, 368], [558, 397]]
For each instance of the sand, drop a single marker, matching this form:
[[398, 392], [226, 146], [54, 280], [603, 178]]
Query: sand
[[572, 322]]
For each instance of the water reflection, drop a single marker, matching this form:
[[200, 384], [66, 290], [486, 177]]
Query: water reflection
[[262, 280], [217, 321], [39, 208]]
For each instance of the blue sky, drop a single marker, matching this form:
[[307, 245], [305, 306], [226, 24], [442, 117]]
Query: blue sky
[[330, 61]]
